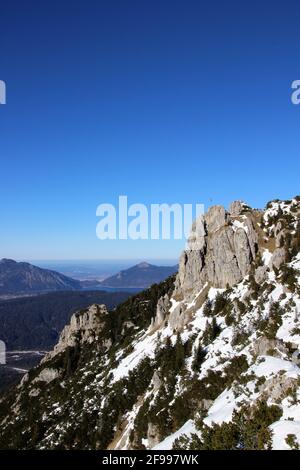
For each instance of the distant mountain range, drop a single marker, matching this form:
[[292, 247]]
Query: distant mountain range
[[141, 275], [21, 279], [24, 278], [206, 360]]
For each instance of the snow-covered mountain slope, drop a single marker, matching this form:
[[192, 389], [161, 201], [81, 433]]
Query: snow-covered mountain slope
[[209, 360]]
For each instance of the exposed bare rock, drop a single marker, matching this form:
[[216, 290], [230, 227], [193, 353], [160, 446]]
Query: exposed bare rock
[[191, 265], [263, 345], [196, 240], [260, 274], [279, 238], [234, 357], [278, 258], [276, 388], [47, 375], [163, 306], [252, 235], [221, 262], [177, 318], [235, 208], [215, 218], [278, 227], [242, 250], [156, 381], [153, 435], [34, 392], [222, 254], [83, 327], [205, 404]]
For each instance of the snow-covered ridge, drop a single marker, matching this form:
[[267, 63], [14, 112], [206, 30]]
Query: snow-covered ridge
[[168, 366]]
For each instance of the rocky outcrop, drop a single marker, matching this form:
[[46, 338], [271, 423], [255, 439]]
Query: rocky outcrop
[[263, 345], [215, 218], [260, 274], [47, 375], [84, 327], [153, 435], [276, 389], [220, 250], [163, 306], [156, 381], [278, 258], [236, 357], [235, 208], [177, 318]]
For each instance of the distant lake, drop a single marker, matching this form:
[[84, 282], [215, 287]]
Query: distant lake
[[132, 290]]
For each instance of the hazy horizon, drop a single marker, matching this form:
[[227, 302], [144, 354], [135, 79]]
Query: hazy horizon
[[164, 102]]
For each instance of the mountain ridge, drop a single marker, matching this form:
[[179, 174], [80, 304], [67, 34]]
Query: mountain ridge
[[19, 278], [141, 275], [208, 359]]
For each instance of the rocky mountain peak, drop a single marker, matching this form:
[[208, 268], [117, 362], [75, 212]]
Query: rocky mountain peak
[[209, 360], [236, 207], [222, 250], [143, 265], [84, 327], [7, 261]]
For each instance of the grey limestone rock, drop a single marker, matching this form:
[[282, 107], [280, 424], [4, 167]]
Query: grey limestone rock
[[235, 208], [84, 327], [222, 255], [278, 258], [260, 274]]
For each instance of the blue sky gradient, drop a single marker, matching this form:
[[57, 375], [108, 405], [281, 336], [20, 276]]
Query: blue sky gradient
[[163, 101]]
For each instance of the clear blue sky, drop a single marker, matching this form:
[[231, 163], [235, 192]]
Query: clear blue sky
[[164, 101]]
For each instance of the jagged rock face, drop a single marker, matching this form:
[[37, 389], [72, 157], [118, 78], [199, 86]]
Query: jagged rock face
[[278, 258], [275, 389], [223, 252], [260, 274], [163, 306], [47, 375], [262, 345], [172, 362], [235, 208], [191, 265], [177, 318], [83, 327], [221, 262], [215, 219], [242, 251]]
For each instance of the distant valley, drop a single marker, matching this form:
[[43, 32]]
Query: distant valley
[[30, 326], [36, 303], [19, 279], [34, 323]]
